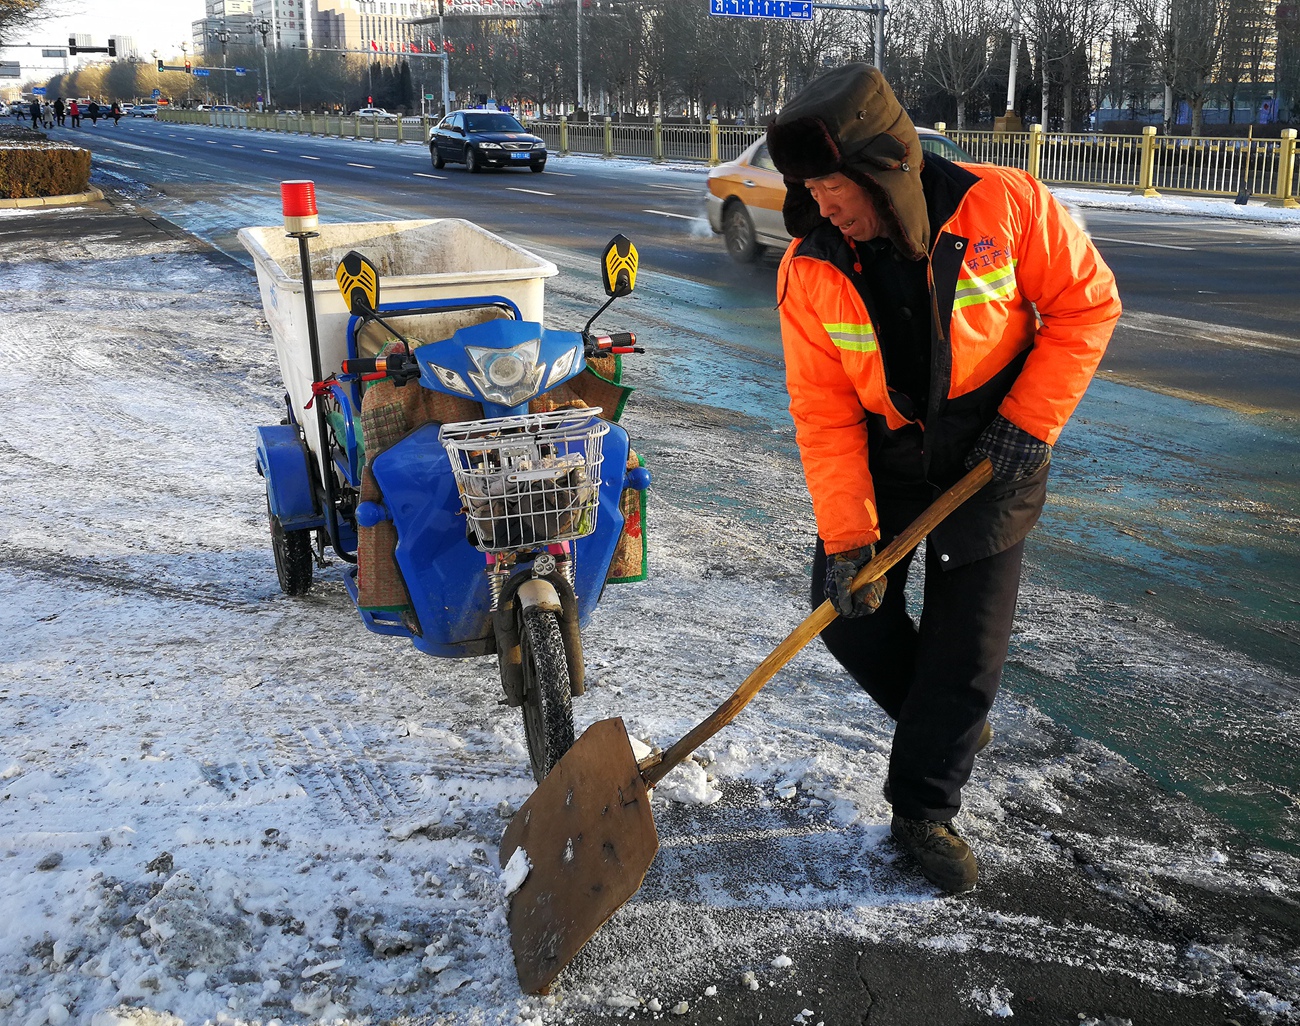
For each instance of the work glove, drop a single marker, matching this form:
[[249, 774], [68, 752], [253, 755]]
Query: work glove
[[1013, 451], [841, 568]]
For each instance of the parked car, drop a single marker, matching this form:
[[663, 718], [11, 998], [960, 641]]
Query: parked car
[[483, 138], [374, 114], [745, 196], [145, 110]]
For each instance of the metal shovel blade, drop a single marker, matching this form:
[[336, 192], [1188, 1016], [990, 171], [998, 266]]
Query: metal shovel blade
[[590, 837]]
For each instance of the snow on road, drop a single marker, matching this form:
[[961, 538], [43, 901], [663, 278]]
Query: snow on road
[[219, 803]]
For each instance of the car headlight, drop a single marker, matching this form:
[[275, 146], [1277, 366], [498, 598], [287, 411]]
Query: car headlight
[[539, 145], [489, 146]]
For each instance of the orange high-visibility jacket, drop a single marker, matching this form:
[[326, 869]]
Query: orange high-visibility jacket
[[1006, 250]]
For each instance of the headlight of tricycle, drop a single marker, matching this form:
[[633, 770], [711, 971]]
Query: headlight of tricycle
[[507, 376]]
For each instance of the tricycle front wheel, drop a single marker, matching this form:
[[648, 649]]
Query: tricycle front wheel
[[548, 710], [294, 560]]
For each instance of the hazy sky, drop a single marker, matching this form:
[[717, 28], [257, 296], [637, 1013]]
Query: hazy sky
[[160, 25]]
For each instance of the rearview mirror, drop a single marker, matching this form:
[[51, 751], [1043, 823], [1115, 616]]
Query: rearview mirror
[[618, 266], [358, 280]]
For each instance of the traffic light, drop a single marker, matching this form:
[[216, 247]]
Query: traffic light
[[72, 46], [187, 66], [112, 46], [160, 65]]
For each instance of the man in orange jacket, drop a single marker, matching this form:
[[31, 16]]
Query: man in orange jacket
[[933, 314]]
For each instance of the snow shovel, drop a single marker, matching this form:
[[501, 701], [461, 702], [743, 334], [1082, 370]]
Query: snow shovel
[[588, 830]]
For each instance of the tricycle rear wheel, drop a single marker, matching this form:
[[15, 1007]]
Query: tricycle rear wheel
[[294, 559], [548, 709]]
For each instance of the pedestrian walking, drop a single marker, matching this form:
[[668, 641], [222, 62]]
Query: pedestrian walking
[[116, 112], [35, 111], [933, 315], [74, 112], [60, 111], [93, 111]]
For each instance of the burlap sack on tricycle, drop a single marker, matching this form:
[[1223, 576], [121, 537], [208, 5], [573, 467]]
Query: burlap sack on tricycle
[[389, 413]]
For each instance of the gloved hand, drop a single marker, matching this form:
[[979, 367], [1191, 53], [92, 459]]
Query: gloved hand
[[1013, 451], [841, 568]]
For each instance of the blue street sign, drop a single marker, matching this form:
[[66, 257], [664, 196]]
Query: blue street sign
[[241, 71], [39, 91], [157, 94], [202, 72], [794, 10]]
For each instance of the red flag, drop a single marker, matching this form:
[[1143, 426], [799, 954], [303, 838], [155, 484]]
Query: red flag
[[374, 46]]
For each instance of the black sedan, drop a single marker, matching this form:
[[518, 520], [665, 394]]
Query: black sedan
[[485, 138]]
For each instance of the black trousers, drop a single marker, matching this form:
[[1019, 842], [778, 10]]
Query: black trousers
[[936, 679]]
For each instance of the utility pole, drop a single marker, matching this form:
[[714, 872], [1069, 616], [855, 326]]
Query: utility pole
[[442, 45], [1010, 121], [579, 18]]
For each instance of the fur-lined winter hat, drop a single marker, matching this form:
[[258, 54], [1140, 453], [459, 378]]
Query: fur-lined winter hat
[[849, 120]]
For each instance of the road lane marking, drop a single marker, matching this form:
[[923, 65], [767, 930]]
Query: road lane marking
[[305, 157], [562, 174], [1134, 242], [673, 188], [369, 167], [666, 213], [265, 150], [238, 146], [535, 192], [421, 174]]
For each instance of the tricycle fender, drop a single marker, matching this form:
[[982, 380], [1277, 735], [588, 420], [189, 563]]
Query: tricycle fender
[[283, 461]]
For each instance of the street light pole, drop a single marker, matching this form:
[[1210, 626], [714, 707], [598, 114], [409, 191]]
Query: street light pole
[[185, 59], [579, 17], [224, 37], [263, 26]]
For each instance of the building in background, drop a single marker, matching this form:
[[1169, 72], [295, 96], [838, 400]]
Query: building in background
[[379, 25], [290, 22], [231, 15]]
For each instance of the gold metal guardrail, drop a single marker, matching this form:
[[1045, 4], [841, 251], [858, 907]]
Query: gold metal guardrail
[[1145, 164]]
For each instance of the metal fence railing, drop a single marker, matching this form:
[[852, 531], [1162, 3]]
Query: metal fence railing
[[1144, 163]]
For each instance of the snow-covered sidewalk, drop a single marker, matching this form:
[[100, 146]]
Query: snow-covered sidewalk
[[221, 804]]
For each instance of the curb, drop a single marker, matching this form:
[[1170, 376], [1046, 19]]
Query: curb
[[69, 200]]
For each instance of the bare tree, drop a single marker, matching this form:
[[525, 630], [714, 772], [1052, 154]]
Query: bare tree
[[959, 46], [17, 13]]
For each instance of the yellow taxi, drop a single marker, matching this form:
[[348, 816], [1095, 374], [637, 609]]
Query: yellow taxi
[[745, 196]]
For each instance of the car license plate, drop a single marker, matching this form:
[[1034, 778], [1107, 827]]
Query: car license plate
[[519, 156]]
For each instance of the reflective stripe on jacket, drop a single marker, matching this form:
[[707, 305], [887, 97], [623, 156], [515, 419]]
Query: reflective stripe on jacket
[[1007, 250]]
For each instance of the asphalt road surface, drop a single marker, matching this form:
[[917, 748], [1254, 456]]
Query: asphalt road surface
[[1210, 305]]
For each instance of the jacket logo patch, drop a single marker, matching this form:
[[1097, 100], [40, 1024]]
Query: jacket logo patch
[[987, 253]]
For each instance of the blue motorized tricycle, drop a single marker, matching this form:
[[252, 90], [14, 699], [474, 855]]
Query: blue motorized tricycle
[[476, 498]]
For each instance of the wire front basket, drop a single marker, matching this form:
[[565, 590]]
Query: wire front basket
[[529, 480]]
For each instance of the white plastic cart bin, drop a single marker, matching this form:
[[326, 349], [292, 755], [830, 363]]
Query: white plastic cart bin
[[430, 259]]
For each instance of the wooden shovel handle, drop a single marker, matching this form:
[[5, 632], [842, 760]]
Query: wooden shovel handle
[[654, 771]]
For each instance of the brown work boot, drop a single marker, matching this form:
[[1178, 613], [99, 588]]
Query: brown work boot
[[986, 735], [945, 859]]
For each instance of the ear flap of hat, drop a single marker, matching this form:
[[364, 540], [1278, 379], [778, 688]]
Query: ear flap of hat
[[799, 211], [803, 148]]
